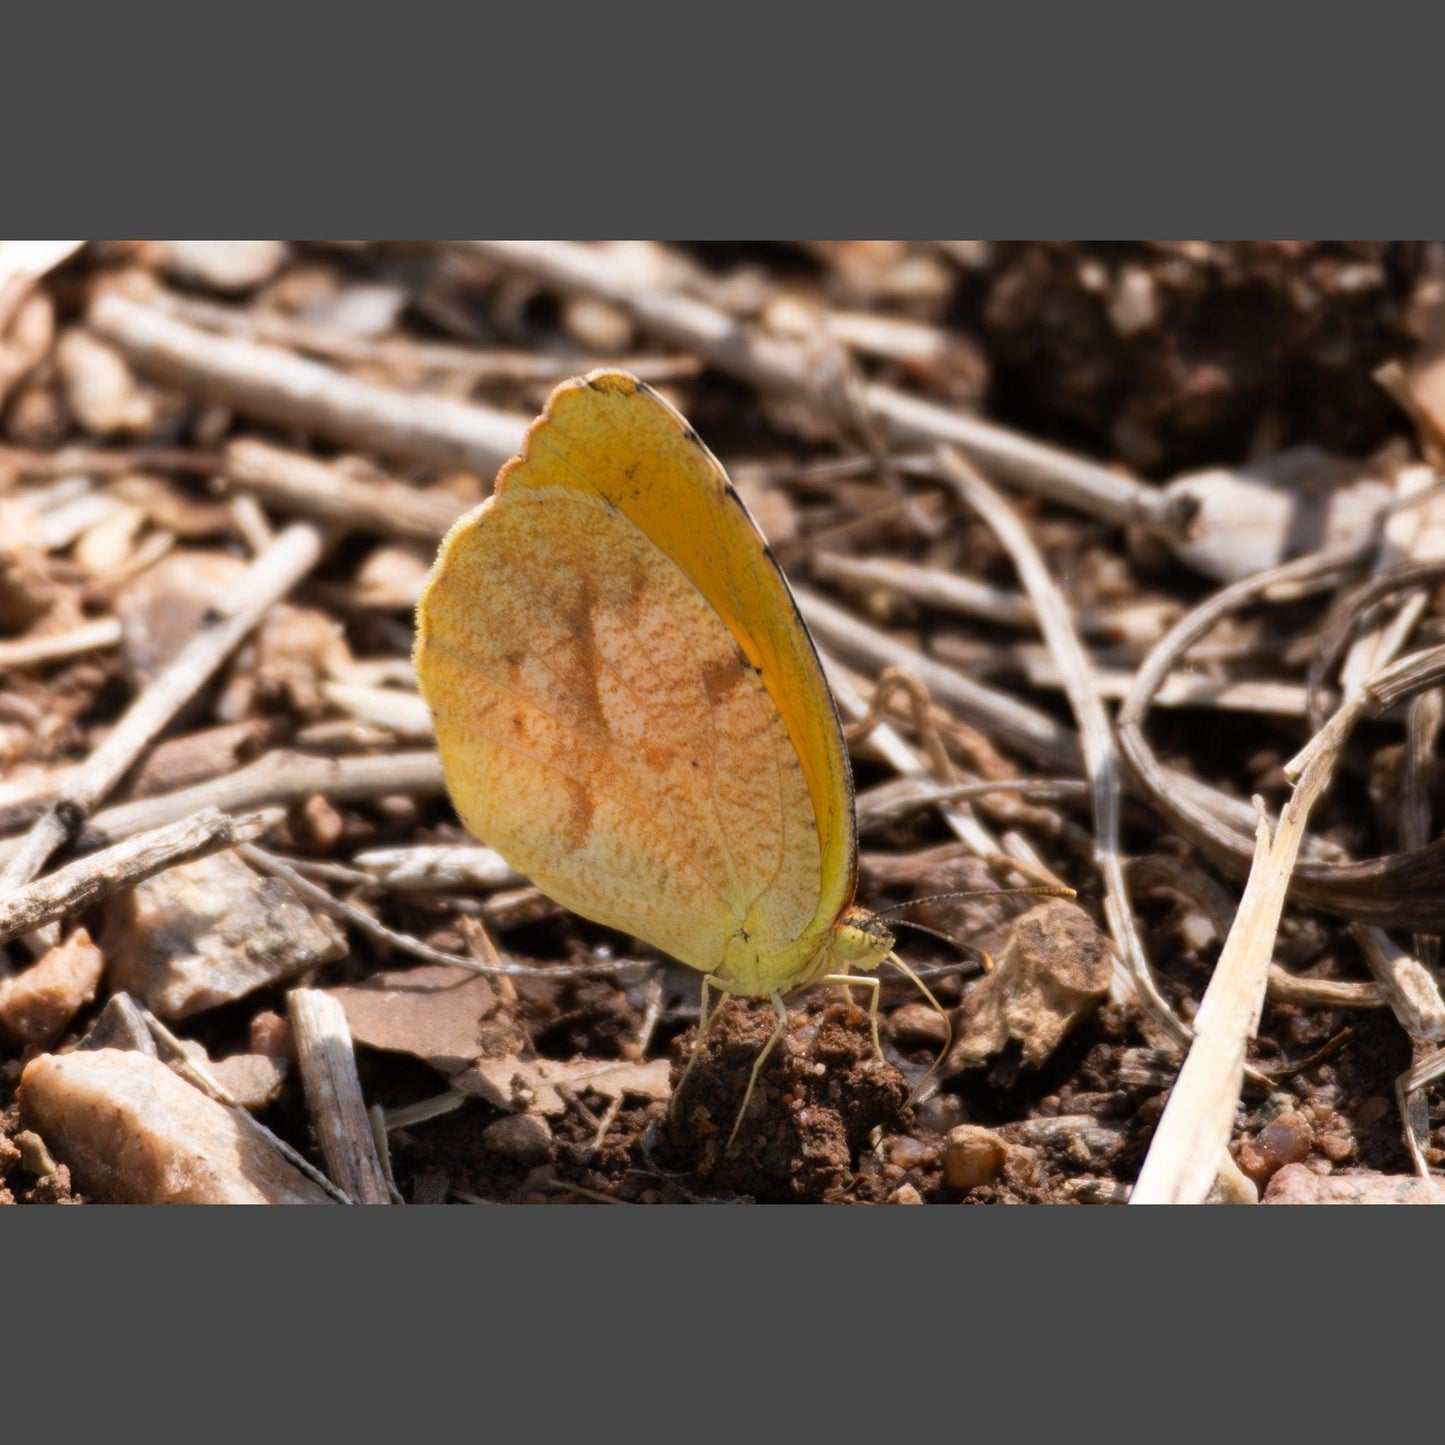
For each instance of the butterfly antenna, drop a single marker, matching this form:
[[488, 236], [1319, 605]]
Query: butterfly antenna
[[1033, 890], [933, 933], [942, 1013]]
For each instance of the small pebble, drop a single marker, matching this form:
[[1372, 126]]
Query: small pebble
[[1052, 974], [38, 1003], [1297, 1184], [35, 1158], [1285, 1140], [941, 1113], [319, 824], [917, 1023], [972, 1156], [526, 1138], [209, 932], [1021, 1166], [133, 1132], [1373, 1110], [103, 395], [906, 1152], [271, 1035], [252, 1080], [905, 1194]]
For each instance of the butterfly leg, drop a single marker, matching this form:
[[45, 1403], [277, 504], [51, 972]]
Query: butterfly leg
[[702, 1022], [863, 981], [777, 1001]]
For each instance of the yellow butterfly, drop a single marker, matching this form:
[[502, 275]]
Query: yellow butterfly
[[630, 710]]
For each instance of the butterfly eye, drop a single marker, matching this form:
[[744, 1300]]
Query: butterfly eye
[[861, 939]]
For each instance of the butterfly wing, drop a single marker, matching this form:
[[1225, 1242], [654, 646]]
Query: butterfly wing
[[628, 706]]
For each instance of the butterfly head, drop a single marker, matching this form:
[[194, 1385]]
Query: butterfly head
[[861, 939]]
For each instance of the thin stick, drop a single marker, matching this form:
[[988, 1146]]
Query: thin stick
[[376, 1117], [1101, 759], [950, 592], [92, 637], [333, 1095], [887, 802], [86, 882], [473, 363], [267, 580], [299, 484], [1408, 987], [778, 365], [269, 863], [1414, 997], [103, 462], [436, 868], [279, 778], [1278, 699], [276, 386]]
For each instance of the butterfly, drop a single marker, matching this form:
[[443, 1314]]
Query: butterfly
[[630, 710]]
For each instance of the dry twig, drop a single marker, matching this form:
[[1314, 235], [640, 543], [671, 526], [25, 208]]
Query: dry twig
[[333, 1095], [278, 387], [87, 881]]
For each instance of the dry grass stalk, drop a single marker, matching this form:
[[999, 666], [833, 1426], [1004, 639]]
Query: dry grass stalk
[[1413, 994], [1410, 1098], [1185, 1155]]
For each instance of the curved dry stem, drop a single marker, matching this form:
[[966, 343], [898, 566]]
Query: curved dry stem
[[1401, 890]]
